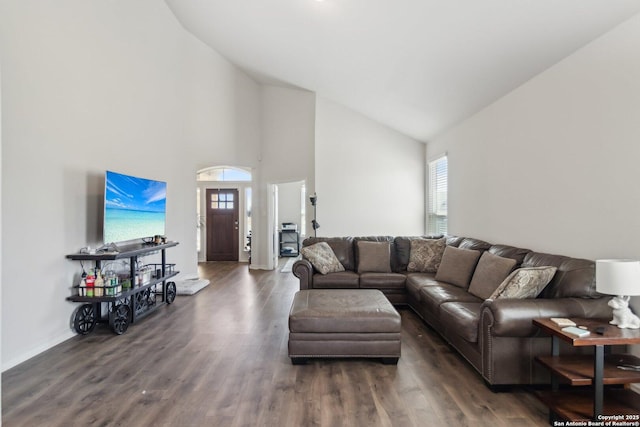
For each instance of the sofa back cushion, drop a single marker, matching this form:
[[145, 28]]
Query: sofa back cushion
[[457, 266], [574, 278], [373, 257], [403, 251], [454, 241], [342, 248], [489, 274], [512, 252], [474, 244]]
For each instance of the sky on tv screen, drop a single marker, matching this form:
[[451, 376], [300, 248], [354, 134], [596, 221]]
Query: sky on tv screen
[[134, 207]]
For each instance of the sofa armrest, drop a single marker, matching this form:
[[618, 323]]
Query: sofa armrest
[[513, 317], [303, 270]]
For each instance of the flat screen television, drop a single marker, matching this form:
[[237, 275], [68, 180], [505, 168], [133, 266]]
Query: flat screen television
[[134, 208]]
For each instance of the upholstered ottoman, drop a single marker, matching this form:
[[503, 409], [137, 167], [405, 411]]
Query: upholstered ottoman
[[343, 323]]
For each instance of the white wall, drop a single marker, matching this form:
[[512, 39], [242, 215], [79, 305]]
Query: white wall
[[89, 85], [370, 180], [287, 154], [553, 166]]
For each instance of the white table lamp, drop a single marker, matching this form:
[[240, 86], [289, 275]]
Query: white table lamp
[[619, 277]]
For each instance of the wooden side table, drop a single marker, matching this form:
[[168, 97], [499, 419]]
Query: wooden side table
[[596, 371]]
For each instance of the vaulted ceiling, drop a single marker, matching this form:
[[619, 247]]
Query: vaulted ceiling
[[417, 66]]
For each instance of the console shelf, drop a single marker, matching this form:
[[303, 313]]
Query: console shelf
[[123, 294], [127, 251], [129, 305], [289, 243]]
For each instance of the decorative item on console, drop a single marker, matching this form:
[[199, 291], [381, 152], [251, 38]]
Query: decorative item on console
[[619, 277], [143, 276], [158, 239]]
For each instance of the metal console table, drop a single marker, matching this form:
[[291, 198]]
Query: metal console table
[[126, 306]]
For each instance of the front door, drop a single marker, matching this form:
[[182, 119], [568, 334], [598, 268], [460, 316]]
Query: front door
[[222, 225]]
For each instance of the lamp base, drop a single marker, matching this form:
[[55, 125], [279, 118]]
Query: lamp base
[[623, 318]]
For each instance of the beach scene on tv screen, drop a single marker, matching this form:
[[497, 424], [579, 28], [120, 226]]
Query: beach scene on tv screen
[[135, 208]]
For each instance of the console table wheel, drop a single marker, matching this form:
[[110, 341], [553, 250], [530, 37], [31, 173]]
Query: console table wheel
[[84, 319], [119, 318], [171, 292]]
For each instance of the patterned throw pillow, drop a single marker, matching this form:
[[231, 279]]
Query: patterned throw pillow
[[321, 256], [426, 254], [524, 283]]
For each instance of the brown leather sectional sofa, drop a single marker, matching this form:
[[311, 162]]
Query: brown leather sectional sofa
[[496, 336]]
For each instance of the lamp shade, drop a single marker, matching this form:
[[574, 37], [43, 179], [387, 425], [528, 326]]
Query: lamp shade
[[618, 276]]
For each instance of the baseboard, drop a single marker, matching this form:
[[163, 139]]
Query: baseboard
[[259, 267], [36, 351]]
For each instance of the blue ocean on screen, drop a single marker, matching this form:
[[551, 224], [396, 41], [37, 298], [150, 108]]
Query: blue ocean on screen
[[121, 225], [134, 208]]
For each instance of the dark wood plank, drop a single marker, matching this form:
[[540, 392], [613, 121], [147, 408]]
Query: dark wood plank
[[219, 358]]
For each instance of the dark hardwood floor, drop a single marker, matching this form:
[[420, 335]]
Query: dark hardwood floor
[[219, 358]]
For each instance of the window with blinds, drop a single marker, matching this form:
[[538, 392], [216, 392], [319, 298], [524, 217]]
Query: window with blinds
[[437, 216]]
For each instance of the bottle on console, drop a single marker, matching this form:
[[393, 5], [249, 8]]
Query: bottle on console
[[90, 282], [82, 287], [99, 284]]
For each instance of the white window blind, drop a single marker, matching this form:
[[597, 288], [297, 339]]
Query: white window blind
[[437, 217]]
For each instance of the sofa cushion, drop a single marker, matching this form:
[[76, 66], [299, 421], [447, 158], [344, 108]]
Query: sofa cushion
[[416, 281], [457, 266], [432, 297], [506, 251], [475, 244], [321, 256], [463, 318], [403, 250], [489, 274], [373, 257], [454, 240], [341, 280], [426, 255], [382, 281], [342, 248], [575, 277], [524, 283]]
